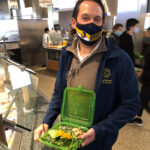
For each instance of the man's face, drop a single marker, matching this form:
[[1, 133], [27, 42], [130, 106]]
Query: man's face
[[89, 12], [56, 28], [47, 31], [133, 28], [119, 29]]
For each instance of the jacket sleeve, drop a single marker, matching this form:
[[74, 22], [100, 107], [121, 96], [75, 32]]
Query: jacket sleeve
[[129, 102], [127, 45], [54, 108]]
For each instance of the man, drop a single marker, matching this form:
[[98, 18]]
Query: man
[[144, 75], [97, 65], [145, 90], [45, 44], [46, 38], [55, 35], [117, 31], [146, 42], [126, 39]]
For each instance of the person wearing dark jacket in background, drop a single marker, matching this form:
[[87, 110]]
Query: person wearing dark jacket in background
[[145, 90], [117, 31], [98, 65], [146, 42], [126, 39]]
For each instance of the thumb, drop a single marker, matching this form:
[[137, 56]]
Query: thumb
[[85, 135]]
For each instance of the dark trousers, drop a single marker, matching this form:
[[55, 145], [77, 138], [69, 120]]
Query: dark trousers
[[43, 58], [145, 99]]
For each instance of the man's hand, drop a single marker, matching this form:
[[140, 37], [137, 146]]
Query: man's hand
[[88, 137], [39, 131]]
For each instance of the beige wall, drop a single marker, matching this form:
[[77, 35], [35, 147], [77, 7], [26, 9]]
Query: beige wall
[[65, 19]]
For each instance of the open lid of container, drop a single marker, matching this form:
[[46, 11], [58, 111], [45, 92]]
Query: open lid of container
[[78, 106]]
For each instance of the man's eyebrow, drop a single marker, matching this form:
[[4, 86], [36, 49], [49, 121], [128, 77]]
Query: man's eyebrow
[[84, 15], [98, 17]]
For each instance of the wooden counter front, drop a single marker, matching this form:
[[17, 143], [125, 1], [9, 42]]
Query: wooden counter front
[[52, 58]]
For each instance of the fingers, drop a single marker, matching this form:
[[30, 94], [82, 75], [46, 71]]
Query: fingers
[[39, 131], [87, 141], [85, 135], [88, 137], [37, 134], [44, 128]]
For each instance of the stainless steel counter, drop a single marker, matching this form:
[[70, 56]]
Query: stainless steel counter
[[11, 45]]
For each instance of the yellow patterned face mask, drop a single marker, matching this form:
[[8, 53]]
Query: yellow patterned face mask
[[89, 34]]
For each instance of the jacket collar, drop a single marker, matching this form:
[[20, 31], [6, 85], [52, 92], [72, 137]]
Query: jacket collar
[[112, 34], [112, 52], [73, 48]]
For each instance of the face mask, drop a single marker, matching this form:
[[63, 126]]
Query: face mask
[[136, 30], [118, 33], [89, 34]]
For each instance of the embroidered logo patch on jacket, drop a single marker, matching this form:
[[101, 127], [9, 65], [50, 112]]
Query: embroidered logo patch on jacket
[[107, 76]]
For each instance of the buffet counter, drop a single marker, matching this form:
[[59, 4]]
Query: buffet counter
[[52, 57]]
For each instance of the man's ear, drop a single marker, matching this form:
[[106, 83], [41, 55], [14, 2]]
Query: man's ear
[[74, 23]]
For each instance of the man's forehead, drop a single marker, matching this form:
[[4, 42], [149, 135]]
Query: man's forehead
[[90, 6]]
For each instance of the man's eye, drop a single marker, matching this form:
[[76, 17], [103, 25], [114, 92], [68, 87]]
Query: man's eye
[[98, 19], [85, 18]]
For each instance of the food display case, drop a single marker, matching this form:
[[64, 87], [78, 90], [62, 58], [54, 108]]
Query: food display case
[[5, 100], [4, 105], [15, 117]]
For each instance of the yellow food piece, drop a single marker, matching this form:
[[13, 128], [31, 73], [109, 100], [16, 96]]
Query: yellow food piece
[[52, 133], [63, 134]]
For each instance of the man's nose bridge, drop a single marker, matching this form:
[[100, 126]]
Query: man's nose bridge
[[91, 20]]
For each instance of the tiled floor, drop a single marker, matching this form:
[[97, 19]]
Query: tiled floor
[[130, 137]]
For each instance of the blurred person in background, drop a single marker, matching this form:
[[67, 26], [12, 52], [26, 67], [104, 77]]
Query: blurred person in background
[[144, 76], [126, 39], [145, 90], [117, 31], [55, 35], [146, 41], [45, 44], [46, 38]]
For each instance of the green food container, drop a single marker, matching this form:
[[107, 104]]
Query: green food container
[[139, 56], [77, 111], [137, 69]]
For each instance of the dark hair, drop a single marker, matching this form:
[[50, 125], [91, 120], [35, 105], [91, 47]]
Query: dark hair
[[131, 23], [148, 29], [76, 9], [116, 26], [56, 25], [46, 29]]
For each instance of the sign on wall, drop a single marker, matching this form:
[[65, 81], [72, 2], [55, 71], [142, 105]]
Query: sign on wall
[[45, 3]]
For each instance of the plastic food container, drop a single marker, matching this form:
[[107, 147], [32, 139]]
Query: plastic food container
[[77, 111], [137, 69]]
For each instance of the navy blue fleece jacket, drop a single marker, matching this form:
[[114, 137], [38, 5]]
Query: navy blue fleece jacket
[[117, 95]]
